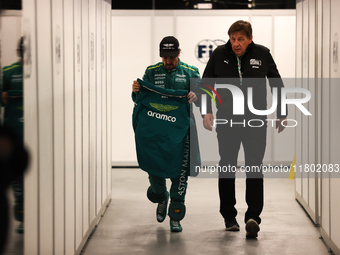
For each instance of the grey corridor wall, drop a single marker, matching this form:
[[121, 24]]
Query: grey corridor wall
[[317, 140], [67, 112]]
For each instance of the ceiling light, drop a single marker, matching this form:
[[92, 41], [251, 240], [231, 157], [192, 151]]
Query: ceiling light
[[204, 6]]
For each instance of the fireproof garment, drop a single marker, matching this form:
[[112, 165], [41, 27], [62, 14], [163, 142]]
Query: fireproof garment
[[161, 123], [12, 84], [249, 70], [13, 118], [177, 79]]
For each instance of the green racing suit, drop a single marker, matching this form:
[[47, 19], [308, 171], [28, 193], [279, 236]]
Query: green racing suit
[[13, 118], [176, 79]]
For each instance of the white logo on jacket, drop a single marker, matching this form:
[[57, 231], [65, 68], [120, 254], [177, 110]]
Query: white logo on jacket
[[255, 63], [161, 116], [180, 79]]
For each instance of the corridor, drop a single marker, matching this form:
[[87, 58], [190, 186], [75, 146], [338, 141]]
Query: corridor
[[129, 225]]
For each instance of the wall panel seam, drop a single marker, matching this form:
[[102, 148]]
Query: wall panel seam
[[53, 129], [64, 126], [38, 147]]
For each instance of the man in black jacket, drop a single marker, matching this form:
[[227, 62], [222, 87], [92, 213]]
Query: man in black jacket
[[243, 64]]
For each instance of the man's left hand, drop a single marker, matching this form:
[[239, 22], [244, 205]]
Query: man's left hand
[[192, 97], [279, 125]]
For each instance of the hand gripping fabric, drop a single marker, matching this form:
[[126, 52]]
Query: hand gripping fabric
[[161, 123], [176, 210]]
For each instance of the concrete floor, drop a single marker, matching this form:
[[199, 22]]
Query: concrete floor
[[129, 225]]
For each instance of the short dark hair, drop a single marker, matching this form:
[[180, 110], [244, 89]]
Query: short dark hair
[[241, 26]]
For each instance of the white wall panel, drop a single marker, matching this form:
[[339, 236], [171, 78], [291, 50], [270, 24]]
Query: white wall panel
[[103, 102], [92, 106], [306, 142], [69, 128], [124, 71], [334, 159], [319, 101], [299, 64], [58, 120], [325, 117], [304, 121], [334, 43], [31, 194], [98, 104], [312, 103], [284, 55], [321, 136], [263, 31], [285, 43], [11, 33], [109, 98], [44, 81], [335, 122], [312, 36], [77, 48], [68, 186], [85, 110]]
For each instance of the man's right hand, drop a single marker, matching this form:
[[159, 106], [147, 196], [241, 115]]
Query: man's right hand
[[4, 97], [208, 121], [135, 86]]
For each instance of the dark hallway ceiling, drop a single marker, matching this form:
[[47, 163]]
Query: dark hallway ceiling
[[180, 4], [10, 4], [192, 4]]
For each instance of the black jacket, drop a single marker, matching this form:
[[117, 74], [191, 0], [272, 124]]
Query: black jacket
[[257, 64]]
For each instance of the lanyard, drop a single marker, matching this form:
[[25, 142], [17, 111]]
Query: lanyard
[[239, 68]]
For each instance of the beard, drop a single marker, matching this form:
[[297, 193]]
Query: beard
[[170, 66]]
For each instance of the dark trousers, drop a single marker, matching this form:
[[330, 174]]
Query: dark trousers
[[253, 140]]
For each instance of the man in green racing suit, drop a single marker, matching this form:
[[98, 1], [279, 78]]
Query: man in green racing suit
[[12, 99], [171, 74]]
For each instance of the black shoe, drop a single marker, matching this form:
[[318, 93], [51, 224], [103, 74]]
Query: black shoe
[[252, 228], [231, 225]]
